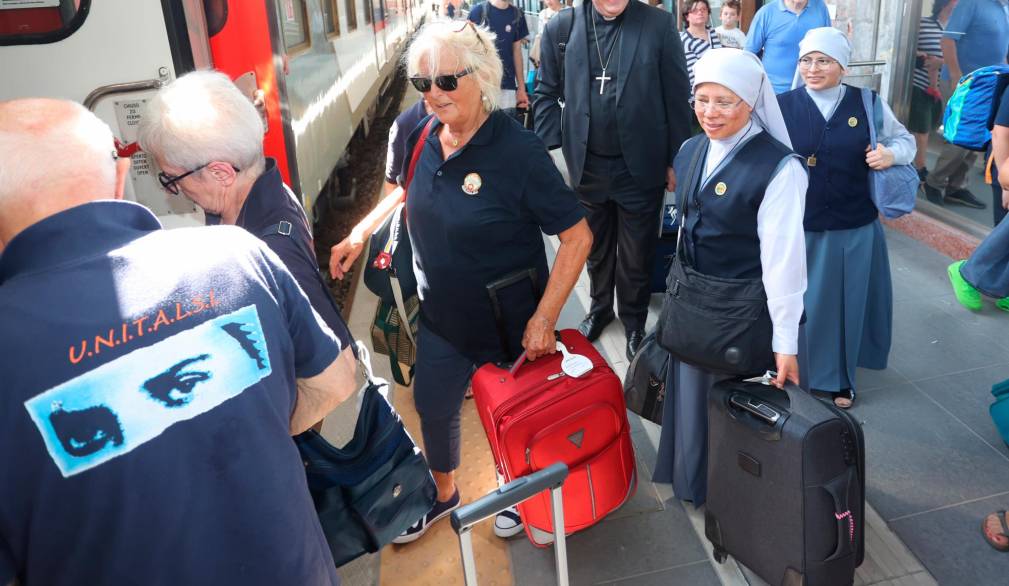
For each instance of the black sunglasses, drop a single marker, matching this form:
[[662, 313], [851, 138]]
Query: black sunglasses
[[446, 83], [170, 182]]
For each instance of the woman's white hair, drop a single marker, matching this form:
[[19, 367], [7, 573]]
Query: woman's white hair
[[203, 117], [464, 45]]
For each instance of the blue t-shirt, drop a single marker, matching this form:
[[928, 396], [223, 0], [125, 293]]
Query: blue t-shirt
[[981, 31], [477, 218], [396, 156], [776, 31], [149, 381], [510, 27]]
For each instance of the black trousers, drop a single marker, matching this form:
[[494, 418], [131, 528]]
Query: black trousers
[[624, 220]]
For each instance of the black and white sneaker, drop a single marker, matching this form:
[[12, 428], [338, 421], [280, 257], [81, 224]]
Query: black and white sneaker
[[440, 510], [508, 523]]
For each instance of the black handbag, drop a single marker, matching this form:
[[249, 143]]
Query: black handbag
[[645, 389], [715, 323], [390, 255], [376, 486]]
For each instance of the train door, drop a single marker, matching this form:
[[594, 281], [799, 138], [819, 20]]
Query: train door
[[110, 55]]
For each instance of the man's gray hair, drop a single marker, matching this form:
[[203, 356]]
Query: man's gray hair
[[463, 45], [203, 117], [36, 149]]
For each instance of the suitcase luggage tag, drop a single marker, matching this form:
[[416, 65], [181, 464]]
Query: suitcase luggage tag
[[764, 379], [574, 365]]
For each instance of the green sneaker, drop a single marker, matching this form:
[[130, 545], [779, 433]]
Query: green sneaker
[[966, 294], [1003, 304]]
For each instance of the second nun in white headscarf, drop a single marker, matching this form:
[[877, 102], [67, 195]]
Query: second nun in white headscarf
[[751, 188], [849, 303]]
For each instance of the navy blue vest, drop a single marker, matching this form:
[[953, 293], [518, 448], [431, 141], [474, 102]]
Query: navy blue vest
[[838, 195], [721, 229]]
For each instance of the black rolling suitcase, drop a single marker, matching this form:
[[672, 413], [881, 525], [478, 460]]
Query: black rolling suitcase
[[786, 484]]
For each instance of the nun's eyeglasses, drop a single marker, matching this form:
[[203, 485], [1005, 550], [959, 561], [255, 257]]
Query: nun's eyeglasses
[[446, 83], [719, 105], [820, 62]]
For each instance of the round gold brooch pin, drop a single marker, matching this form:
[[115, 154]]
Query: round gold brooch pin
[[721, 188]]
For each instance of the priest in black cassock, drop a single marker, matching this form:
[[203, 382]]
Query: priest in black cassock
[[616, 100]]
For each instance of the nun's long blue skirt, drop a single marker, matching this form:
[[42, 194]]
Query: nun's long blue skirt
[[683, 445], [849, 304], [988, 268]]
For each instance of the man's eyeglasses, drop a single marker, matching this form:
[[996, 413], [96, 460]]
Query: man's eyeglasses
[[446, 83], [820, 62], [170, 182], [718, 105]]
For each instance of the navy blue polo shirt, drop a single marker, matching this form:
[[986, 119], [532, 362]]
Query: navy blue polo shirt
[[149, 380], [476, 218], [269, 211]]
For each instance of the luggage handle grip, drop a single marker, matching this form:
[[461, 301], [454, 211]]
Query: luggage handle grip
[[522, 357], [509, 495], [758, 409]]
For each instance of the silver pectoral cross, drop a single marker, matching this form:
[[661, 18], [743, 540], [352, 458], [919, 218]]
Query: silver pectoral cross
[[602, 79]]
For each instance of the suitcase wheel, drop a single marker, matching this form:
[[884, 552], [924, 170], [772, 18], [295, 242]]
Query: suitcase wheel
[[720, 555]]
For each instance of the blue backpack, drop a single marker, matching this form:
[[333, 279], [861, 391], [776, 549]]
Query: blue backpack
[[971, 109]]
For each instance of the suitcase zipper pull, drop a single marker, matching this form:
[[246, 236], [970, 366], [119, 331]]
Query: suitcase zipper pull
[[528, 456]]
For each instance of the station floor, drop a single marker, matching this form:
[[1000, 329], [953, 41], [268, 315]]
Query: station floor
[[935, 463]]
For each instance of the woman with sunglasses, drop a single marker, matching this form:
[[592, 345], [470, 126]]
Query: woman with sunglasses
[[742, 208], [849, 303], [483, 192]]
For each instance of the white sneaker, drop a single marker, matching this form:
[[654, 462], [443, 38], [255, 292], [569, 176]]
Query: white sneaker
[[508, 523]]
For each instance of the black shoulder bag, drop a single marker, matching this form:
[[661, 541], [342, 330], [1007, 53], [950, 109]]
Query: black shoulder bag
[[376, 486], [715, 323]]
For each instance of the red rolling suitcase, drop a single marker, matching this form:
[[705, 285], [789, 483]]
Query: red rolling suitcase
[[535, 415]]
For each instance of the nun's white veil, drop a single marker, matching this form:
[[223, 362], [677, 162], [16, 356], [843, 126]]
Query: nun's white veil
[[742, 73], [827, 40]]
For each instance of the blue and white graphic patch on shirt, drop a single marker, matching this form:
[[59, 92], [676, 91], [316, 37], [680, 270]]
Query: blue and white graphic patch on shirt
[[113, 409]]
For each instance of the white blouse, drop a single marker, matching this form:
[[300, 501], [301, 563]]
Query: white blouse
[[782, 239], [893, 136]]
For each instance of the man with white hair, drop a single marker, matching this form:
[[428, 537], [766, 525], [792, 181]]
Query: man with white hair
[[207, 138], [145, 426]]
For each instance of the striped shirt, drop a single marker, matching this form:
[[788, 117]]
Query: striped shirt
[[929, 35], [693, 48]]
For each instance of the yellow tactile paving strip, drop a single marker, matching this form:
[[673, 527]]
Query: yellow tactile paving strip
[[434, 560]]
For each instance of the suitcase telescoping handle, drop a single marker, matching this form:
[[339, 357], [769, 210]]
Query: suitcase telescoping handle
[[518, 490], [758, 408]]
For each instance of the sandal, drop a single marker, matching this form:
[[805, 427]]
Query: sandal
[[991, 537], [844, 399]]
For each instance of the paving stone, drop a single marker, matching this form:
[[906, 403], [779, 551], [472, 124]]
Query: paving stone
[[967, 395], [699, 574], [928, 342], [919, 458], [950, 545], [614, 550]]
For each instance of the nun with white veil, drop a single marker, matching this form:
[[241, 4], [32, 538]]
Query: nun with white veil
[[849, 303], [745, 222]]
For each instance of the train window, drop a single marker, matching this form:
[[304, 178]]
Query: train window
[[28, 22], [294, 16], [330, 18], [351, 7], [368, 7]]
